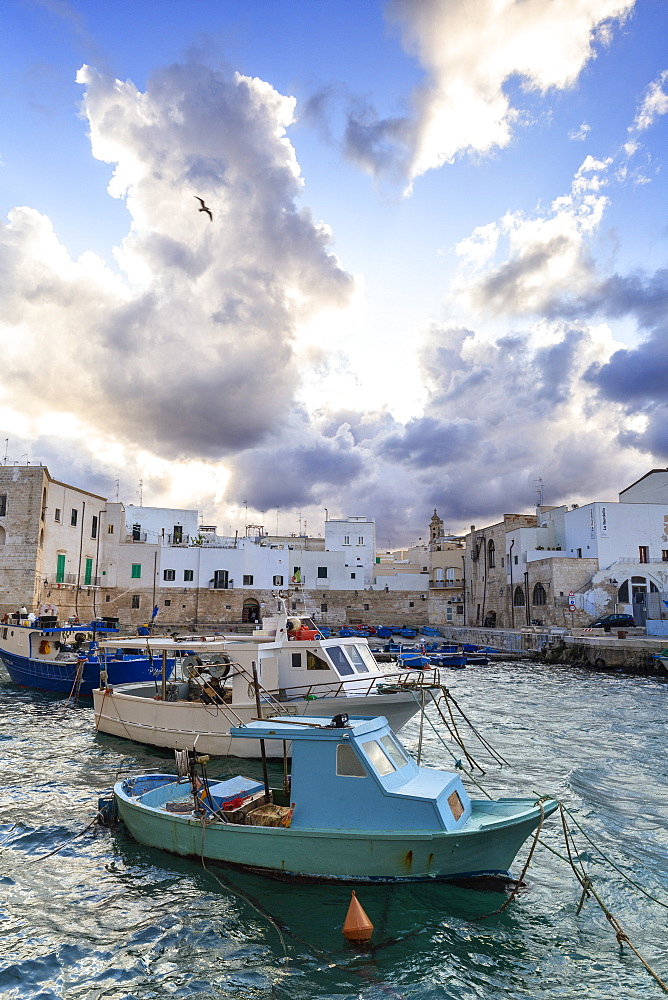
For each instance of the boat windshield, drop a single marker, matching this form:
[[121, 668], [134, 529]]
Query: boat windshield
[[340, 660], [367, 658], [384, 754]]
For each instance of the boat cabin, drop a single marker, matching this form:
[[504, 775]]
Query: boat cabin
[[354, 774]]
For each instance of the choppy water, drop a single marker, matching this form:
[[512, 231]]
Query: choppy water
[[106, 918]]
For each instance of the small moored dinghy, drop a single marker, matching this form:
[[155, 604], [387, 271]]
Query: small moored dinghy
[[356, 807]]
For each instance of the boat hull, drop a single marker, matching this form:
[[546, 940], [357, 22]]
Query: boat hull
[[487, 849], [60, 677], [176, 725]]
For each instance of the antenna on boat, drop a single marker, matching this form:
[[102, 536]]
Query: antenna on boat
[[263, 753]]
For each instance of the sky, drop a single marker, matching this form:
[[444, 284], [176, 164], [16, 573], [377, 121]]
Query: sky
[[433, 274]]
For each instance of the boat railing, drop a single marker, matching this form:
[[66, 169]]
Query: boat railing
[[363, 687]]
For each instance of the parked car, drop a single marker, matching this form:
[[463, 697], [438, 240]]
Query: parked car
[[608, 622]]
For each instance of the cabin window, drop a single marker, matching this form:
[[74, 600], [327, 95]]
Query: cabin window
[[367, 656], [188, 576], [340, 661], [378, 757], [169, 574], [360, 665], [136, 571], [456, 806], [315, 662], [297, 660], [393, 751], [348, 764]]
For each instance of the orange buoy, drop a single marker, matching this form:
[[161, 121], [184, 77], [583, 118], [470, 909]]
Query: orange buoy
[[357, 927]]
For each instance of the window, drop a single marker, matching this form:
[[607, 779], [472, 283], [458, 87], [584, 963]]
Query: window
[[348, 764], [135, 600], [221, 579], [378, 757], [93, 526], [136, 532], [346, 539], [3, 504], [360, 540], [664, 555], [360, 665], [352, 576], [393, 751], [518, 598], [88, 573], [278, 581], [340, 661], [366, 607], [643, 553], [539, 595], [60, 568], [107, 597], [74, 516], [323, 607], [56, 516], [136, 571], [315, 662], [188, 576], [296, 575], [579, 553], [177, 534], [411, 604], [491, 554], [516, 559], [169, 574], [322, 572], [168, 604], [110, 529], [248, 580], [297, 660]]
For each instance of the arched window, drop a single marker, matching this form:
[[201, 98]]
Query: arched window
[[490, 554], [539, 595], [623, 593], [518, 598]]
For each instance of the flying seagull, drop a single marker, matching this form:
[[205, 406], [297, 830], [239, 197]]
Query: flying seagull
[[203, 208]]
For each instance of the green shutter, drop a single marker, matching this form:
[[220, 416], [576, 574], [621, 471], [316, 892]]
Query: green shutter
[[89, 573], [60, 569], [136, 571]]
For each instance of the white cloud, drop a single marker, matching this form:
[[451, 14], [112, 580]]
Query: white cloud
[[470, 52], [654, 104]]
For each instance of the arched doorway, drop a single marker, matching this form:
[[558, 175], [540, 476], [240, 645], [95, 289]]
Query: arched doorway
[[251, 611]]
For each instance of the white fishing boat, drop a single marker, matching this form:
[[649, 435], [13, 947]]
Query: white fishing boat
[[287, 667]]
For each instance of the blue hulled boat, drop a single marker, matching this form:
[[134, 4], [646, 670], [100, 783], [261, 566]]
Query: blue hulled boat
[[356, 808], [66, 659]]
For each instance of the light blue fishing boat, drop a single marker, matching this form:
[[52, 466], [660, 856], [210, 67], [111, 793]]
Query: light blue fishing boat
[[356, 808]]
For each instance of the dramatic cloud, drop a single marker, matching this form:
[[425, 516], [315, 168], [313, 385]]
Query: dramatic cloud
[[470, 52], [191, 351], [545, 257]]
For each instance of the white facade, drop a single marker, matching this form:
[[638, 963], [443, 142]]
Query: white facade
[[161, 525], [355, 536]]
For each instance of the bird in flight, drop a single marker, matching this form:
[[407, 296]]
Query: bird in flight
[[204, 207]]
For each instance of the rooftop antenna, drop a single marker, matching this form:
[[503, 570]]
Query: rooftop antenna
[[140, 492], [6, 450]]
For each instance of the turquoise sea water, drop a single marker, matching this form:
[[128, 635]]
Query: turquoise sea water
[[107, 918]]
